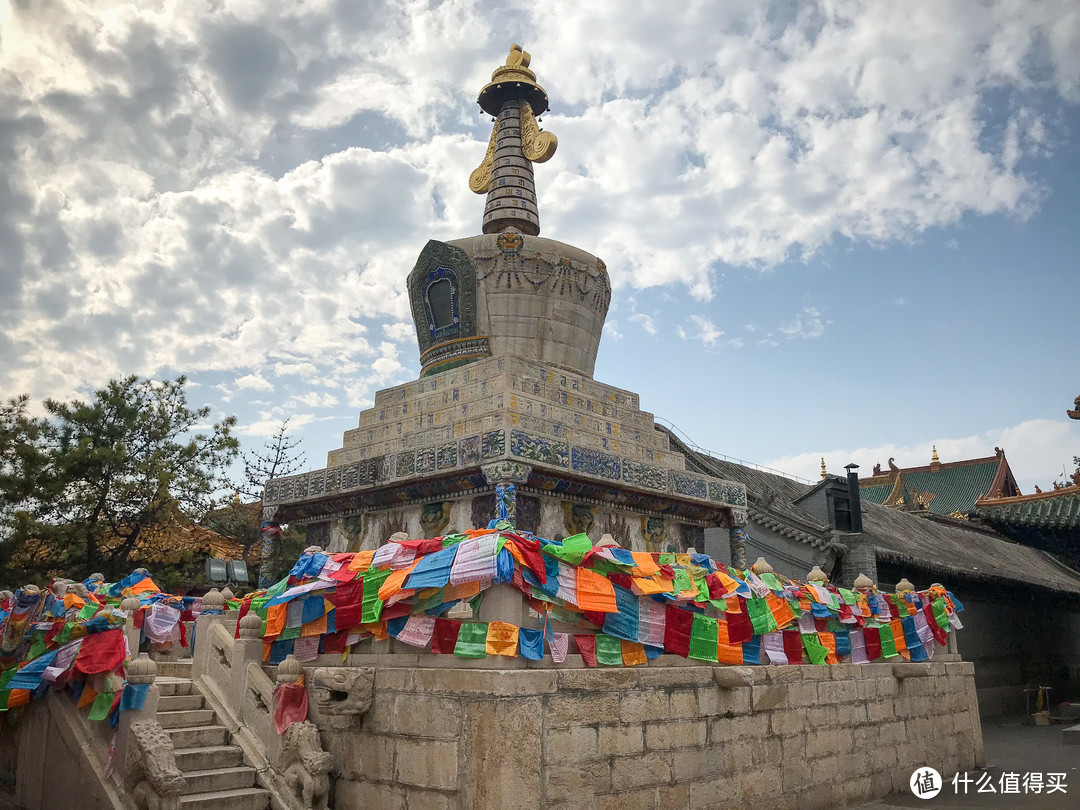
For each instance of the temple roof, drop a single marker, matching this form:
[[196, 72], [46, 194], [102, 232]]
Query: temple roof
[[950, 488], [1057, 509], [937, 546]]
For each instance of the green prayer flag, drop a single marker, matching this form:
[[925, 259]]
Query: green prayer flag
[[761, 617], [816, 651], [888, 643], [667, 559], [289, 632], [373, 605], [452, 540], [573, 549], [472, 640], [796, 608], [6, 676], [88, 610], [702, 590], [37, 648], [848, 596], [102, 703], [772, 581], [941, 613], [683, 581], [64, 636], [608, 650], [605, 567], [704, 638], [561, 614], [277, 589]]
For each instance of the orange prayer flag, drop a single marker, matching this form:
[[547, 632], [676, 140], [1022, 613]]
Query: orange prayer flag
[[898, 636], [87, 698], [828, 641], [361, 561], [316, 627], [781, 610], [594, 592], [655, 584], [728, 583], [726, 652], [378, 630], [645, 564], [275, 618], [733, 605], [19, 697], [72, 600], [394, 582], [146, 585], [502, 639], [633, 653], [463, 590]]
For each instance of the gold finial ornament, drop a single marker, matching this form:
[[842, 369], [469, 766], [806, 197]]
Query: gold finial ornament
[[933, 456], [824, 474], [515, 100]]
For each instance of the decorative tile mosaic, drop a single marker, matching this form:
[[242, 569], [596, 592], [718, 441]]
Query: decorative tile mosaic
[[734, 494], [593, 462], [350, 476], [689, 485], [446, 456], [405, 464], [315, 484], [644, 475], [469, 450], [539, 448], [425, 460], [493, 444], [333, 480]]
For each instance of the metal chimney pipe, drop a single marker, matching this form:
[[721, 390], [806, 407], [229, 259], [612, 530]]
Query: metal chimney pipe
[[853, 497]]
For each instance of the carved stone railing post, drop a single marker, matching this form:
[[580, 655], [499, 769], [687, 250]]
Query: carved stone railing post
[[213, 607], [247, 649], [130, 605], [144, 753]]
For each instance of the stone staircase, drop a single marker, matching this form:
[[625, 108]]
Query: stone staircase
[[213, 768]]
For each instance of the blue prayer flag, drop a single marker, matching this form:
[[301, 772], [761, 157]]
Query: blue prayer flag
[[531, 644], [433, 571]]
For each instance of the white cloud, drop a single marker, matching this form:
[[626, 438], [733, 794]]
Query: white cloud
[[806, 326], [611, 329], [704, 331], [1036, 450], [255, 382], [646, 322]]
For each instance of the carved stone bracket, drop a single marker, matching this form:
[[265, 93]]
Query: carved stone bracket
[[507, 472], [341, 696], [305, 766], [154, 781]]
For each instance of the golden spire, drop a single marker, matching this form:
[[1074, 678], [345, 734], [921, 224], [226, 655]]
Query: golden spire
[[824, 474], [933, 456], [505, 174]]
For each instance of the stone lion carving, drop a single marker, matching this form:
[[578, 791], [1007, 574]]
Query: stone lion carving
[[343, 691], [152, 776], [305, 766]]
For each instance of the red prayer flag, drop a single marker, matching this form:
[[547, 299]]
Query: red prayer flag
[[101, 652], [587, 647], [444, 638], [334, 642], [597, 617], [677, 626], [941, 636], [530, 552], [793, 646], [290, 706], [740, 628], [873, 643], [716, 587]]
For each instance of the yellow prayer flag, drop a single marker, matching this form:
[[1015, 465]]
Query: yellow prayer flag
[[502, 639]]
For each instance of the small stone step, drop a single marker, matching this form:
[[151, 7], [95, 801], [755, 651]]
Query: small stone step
[[218, 780], [173, 686], [239, 799], [207, 757], [191, 718], [174, 669], [197, 737], [179, 703]]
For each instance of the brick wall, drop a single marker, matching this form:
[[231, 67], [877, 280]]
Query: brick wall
[[654, 737]]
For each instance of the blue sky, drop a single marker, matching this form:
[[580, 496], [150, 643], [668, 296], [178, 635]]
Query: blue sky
[[842, 230]]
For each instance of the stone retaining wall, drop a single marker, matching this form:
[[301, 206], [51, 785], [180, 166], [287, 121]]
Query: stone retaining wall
[[655, 737]]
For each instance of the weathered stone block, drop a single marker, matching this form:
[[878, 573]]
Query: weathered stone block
[[587, 778], [683, 704], [503, 753], [429, 800], [597, 679], [834, 692], [675, 677], [576, 742], [648, 705], [638, 770], [786, 722], [766, 698], [715, 794], [427, 763], [367, 794], [421, 715], [644, 799], [675, 734], [622, 739], [761, 783], [368, 756], [574, 710], [673, 797]]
